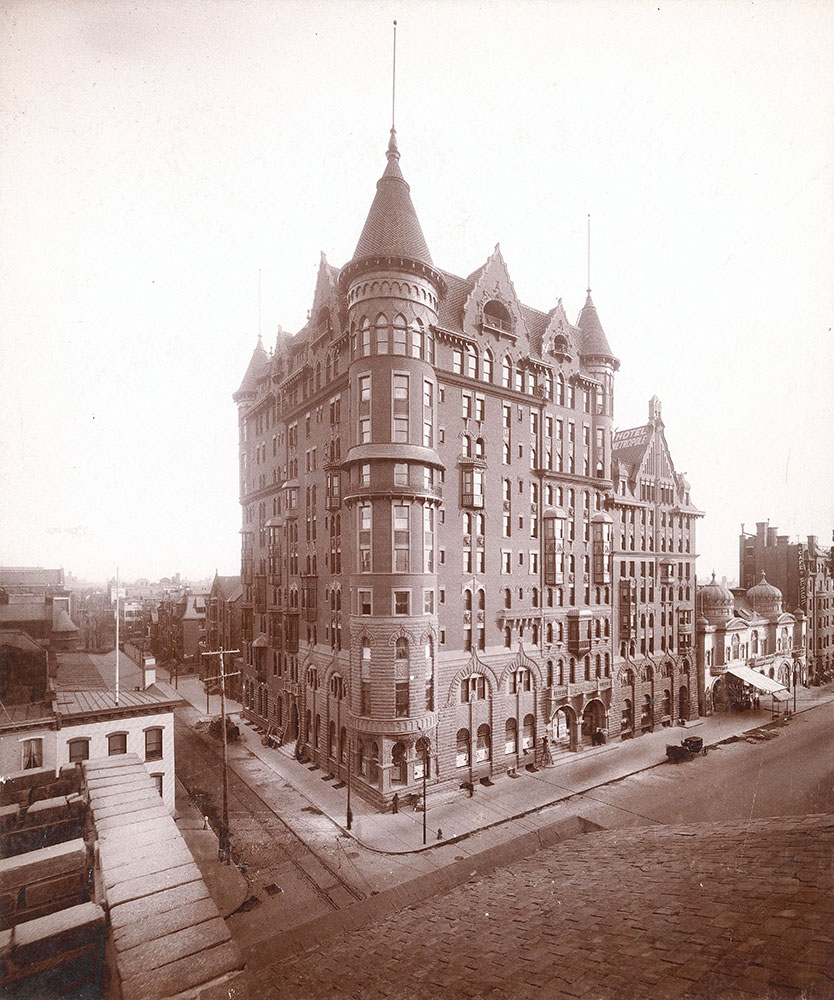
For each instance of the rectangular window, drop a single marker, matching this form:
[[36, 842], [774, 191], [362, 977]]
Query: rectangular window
[[364, 548], [428, 602], [508, 412], [79, 750], [401, 474], [466, 405], [480, 407], [506, 561], [428, 539], [364, 602], [365, 698], [32, 753], [428, 394], [116, 744], [400, 409], [402, 602], [153, 744], [157, 780], [402, 709], [402, 537], [428, 434]]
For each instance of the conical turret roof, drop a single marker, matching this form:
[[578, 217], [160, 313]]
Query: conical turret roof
[[594, 340], [249, 384], [392, 228]]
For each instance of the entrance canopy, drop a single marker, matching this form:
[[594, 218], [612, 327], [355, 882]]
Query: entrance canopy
[[783, 695], [757, 680]]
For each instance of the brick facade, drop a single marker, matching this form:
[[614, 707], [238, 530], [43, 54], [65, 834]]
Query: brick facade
[[429, 522]]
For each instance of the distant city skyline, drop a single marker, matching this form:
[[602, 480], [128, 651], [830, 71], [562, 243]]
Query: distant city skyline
[[156, 158]]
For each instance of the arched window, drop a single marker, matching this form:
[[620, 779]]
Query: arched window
[[402, 649], [471, 361], [560, 390], [528, 733], [365, 337], [331, 740], [399, 772], [508, 637], [479, 448], [483, 750], [486, 366], [508, 597], [467, 446], [457, 361], [417, 344], [374, 769], [497, 316], [116, 744], [511, 736], [400, 335], [381, 334], [507, 373], [462, 748], [627, 720]]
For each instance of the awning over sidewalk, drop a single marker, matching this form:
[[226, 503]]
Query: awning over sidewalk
[[783, 695], [757, 680]]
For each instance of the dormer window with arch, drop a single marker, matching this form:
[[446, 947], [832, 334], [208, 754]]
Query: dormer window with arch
[[497, 317]]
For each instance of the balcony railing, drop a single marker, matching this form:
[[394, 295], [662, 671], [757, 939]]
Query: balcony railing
[[475, 500]]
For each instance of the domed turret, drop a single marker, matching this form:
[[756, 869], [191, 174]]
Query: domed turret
[[716, 602], [765, 599]]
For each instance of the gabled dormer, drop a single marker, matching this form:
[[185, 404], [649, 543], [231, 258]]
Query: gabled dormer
[[492, 309], [324, 325], [557, 342]]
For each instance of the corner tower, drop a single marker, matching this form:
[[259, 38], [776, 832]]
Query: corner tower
[[391, 290]]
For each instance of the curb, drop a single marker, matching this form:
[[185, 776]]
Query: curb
[[515, 816]]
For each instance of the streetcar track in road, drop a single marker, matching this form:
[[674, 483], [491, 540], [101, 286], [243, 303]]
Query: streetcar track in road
[[329, 888]]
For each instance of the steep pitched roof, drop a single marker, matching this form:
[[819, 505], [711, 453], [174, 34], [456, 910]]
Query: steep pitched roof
[[392, 228], [257, 363], [593, 339]]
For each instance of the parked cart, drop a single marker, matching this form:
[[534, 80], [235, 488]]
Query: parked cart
[[692, 746]]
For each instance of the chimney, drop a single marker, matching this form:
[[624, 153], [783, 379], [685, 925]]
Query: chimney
[[771, 535], [761, 527]]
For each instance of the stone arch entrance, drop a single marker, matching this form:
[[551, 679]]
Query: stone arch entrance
[[683, 702], [593, 718], [563, 729]]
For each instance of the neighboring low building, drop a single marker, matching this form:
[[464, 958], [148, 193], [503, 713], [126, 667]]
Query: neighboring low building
[[181, 627], [804, 572], [223, 621], [91, 725], [742, 636], [43, 616]]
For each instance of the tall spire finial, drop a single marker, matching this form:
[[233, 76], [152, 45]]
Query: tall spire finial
[[589, 253], [394, 83]]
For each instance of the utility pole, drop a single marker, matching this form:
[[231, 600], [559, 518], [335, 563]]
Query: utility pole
[[349, 816], [224, 823]]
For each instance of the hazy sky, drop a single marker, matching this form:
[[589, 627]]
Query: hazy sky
[[154, 156]]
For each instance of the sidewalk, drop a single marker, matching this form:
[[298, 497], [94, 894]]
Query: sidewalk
[[507, 799]]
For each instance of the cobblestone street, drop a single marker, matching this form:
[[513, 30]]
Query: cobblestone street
[[706, 912]]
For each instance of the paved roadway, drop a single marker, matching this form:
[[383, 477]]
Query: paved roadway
[[790, 774]]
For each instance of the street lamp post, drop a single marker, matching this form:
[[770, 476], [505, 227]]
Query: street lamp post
[[425, 770]]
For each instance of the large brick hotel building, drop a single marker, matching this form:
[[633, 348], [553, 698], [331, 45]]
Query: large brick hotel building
[[447, 553]]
